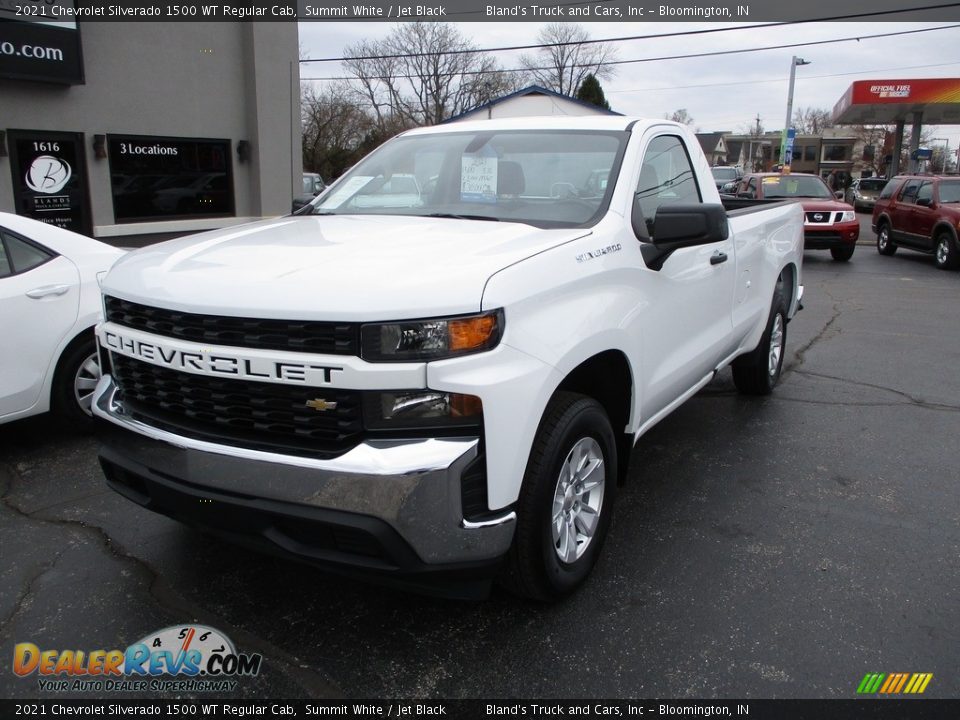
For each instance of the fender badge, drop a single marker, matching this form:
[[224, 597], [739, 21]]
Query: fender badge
[[320, 405]]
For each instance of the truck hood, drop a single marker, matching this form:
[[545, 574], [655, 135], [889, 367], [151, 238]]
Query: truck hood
[[350, 268]]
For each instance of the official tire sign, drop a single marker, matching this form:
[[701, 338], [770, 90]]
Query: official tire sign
[[49, 178]]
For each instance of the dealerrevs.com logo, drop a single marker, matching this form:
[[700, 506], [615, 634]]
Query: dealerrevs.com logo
[[181, 658]]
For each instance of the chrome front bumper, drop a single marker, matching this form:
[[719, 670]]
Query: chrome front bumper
[[412, 486]]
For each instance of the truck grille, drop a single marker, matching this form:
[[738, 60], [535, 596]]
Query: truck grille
[[823, 217], [327, 338], [256, 415]]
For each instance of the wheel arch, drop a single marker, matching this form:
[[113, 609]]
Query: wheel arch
[[788, 283], [607, 378], [941, 226]]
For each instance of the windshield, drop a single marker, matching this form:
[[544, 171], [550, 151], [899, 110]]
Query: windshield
[[543, 178], [950, 191], [873, 185], [795, 186], [724, 173]]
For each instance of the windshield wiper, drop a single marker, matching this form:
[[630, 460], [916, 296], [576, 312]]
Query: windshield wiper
[[454, 216]]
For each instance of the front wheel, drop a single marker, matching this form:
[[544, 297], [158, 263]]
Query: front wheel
[[842, 253], [566, 500], [885, 245], [946, 252], [757, 372], [76, 378]]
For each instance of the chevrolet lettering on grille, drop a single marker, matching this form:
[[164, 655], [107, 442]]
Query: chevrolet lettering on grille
[[219, 362]]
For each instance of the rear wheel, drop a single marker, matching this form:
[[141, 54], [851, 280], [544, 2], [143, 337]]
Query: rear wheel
[[566, 500], [946, 251], [757, 372], [842, 253], [885, 245]]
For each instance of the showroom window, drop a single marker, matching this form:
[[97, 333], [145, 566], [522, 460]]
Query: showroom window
[[164, 178], [836, 153]]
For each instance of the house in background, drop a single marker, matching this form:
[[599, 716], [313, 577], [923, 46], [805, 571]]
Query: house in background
[[532, 101], [714, 147]]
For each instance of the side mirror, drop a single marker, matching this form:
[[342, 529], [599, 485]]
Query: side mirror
[[680, 226], [925, 202], [838, 194], [749, 194]]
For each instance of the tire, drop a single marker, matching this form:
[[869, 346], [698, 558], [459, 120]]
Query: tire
[[842, 254], [757, 372], [945, 251], [76, 377], [552, 552], [885, 245]]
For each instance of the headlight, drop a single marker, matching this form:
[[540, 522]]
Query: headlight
[[406, 341], [421, 409], [848, 216]]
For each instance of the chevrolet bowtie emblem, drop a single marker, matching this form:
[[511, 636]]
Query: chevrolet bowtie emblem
[[320, 405]]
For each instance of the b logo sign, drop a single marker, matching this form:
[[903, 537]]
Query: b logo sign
[[48, 174]]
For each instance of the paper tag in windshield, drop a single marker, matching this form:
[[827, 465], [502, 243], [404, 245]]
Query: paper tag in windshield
[[478, 178], [346, 191]]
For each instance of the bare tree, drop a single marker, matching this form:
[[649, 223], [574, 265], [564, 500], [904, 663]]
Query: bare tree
[[334, 128], [681, 116], [422, 74], [566, 61], [812, 121]]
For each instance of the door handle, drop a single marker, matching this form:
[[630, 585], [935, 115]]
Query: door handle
[[47, 291], [717, 258]]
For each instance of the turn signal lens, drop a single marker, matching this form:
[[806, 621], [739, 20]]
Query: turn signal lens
[[472, 333]]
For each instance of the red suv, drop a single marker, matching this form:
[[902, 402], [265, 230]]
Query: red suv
[[828, 223], [920, 212]]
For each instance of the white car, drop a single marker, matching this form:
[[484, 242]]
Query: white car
[[49, 304]]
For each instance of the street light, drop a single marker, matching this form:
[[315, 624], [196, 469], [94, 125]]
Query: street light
[[784, 160]]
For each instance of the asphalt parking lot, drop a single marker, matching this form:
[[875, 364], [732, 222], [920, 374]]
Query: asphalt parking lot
[[780, 547]]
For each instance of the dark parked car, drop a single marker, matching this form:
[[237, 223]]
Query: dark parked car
[[863, 192], [828, 223], [920, 212], [313, 185], [724, 175]]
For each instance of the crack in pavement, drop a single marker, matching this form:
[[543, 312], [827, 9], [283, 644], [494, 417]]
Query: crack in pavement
[[910, 399], [801, 352], [164, 595], [28, 588]]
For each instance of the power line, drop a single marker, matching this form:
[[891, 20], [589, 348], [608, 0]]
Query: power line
[[805, 78], [716, 53], [685, 33]]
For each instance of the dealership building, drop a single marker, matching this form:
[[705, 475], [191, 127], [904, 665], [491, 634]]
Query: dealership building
[[134, 132]]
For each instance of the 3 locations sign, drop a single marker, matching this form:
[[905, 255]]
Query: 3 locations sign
[[34, 45]]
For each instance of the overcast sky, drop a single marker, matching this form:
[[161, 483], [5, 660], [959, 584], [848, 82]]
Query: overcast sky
[[724, 92]]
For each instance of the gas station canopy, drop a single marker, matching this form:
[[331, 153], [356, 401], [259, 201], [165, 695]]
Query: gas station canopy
[[885, 102]]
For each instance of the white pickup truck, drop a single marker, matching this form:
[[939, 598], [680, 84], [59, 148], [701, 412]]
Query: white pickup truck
[[437, 370]]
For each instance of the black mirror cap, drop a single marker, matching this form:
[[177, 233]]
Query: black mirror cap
[[680, 226], [924, 202], [677, 226]]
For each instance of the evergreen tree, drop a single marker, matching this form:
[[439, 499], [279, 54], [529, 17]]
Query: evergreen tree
[[591, 92]]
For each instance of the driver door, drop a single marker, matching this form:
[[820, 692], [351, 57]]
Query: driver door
[[688, 327]]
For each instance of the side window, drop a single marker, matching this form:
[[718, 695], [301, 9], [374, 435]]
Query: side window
[[909, 193], [925, 192], [20, 256], [666, 178], [888, 190], [5, 268]]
